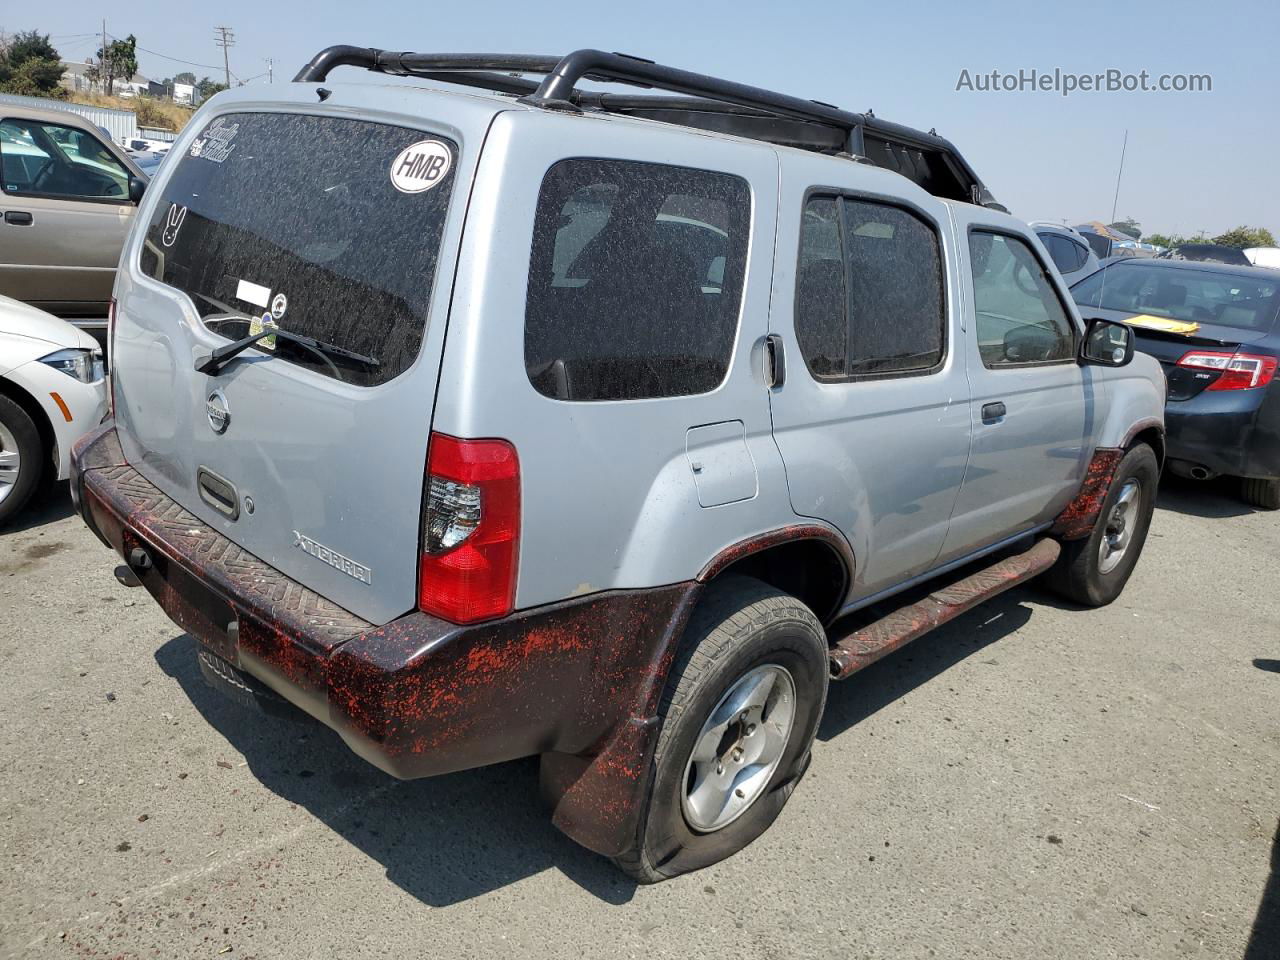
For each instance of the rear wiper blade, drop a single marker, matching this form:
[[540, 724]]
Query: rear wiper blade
[[222, 355]]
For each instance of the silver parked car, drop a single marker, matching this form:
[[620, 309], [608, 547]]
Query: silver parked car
[[481, 427], [69, 196], [1069, 250]]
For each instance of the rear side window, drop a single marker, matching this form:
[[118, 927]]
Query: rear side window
[[635, 280], [1066, 255], [869, 291], [327, 228]]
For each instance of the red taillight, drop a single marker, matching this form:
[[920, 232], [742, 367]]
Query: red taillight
[[111, 357], [1240, 371], [470, 529]]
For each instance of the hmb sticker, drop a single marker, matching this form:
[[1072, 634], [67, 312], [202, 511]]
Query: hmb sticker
[[420, 166]]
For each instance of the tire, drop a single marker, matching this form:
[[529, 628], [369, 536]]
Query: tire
[[744, 632], [1079, 574], [1263, 494], [18, 434]]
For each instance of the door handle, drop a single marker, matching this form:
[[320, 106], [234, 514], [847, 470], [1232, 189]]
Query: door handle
[[19, 218], [993, 411], [775, 361]]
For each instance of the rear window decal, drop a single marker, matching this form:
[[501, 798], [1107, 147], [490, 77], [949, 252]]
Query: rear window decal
[[172, 223], [264, 322], [216, 143], [420, 166], [253, 293]]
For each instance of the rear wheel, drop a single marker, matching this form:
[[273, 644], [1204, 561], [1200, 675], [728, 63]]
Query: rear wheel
[[1093, 570], [1264, 494], [739, 715], [21, 458]]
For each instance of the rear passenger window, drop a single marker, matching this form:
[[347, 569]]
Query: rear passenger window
[[1020, 319], [1066, 255], [869, 293], [635, 280]]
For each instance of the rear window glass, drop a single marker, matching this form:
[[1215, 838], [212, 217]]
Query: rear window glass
[[1182, 293], [327, 228], [635, 280]]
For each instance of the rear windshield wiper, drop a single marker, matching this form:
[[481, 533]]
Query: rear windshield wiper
[[222, 355]]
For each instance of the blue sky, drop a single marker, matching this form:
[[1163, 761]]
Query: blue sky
[[1195, 160]]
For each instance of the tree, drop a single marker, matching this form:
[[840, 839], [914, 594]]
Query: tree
[[1242, 237], [118, 62], [186, 77], [206, 88], [30, 65], [1129, 227], [1162, 239]]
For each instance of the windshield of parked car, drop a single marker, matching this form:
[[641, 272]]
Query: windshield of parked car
[[1196, 296]]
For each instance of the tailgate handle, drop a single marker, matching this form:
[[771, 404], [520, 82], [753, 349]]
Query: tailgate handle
[[218, 493]]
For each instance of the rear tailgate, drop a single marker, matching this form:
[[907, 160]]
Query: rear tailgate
[[345, 232]]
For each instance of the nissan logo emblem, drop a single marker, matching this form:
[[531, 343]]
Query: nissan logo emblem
[[218, 412]]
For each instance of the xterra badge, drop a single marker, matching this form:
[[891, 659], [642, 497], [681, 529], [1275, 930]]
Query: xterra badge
[[218, 412], [333, 558]]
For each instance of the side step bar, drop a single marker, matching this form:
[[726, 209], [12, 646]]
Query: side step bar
[[865, 646]]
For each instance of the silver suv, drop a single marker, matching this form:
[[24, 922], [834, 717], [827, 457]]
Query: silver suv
[[605, 428]]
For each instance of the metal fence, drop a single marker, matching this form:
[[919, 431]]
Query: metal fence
[[155, 133], [122, 124]]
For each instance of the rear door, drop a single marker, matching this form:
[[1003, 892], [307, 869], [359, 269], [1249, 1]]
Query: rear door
[[336, 229], [66, 212], [872, 418]]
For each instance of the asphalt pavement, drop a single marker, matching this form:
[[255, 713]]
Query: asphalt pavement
[[1031, 781]]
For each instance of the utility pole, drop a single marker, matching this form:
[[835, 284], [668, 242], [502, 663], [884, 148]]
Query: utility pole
[[225, 38], [1119, 173], [102, 60], [270, 75]]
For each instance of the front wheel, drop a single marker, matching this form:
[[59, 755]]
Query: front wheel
[[21, 458], [1093, 570], [738, 715]]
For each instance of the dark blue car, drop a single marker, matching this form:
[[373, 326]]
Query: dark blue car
[[1213, 328]]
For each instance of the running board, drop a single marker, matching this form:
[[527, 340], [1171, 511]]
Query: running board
[[865, 646]]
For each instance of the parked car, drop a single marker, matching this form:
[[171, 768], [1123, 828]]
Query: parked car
[[1102, 246], [1213, 328], [51, 394], [149, 163], [703, 402], [1263, 256], [1206, 253], [1069, 251], [69, 196]]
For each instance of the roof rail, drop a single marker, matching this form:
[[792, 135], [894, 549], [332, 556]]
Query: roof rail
[[707, 102]]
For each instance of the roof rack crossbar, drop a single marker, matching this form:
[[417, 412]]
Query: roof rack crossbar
[[557, 89]]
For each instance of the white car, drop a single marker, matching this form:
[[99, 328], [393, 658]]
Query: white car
[[52, 392]]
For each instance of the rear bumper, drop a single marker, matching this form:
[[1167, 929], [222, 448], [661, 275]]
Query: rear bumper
[[577, 681], [1235, 432]]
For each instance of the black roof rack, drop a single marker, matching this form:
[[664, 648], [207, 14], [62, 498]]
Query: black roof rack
[[708, 103]]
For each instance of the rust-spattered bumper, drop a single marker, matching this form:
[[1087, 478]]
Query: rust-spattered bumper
[[578, 682]]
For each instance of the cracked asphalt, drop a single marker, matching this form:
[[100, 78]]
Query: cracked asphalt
[[1029, 781]]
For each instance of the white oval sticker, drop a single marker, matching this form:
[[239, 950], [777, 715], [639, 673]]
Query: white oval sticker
[[420, 166]]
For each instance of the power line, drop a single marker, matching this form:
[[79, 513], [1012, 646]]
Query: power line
[[165, 56]]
